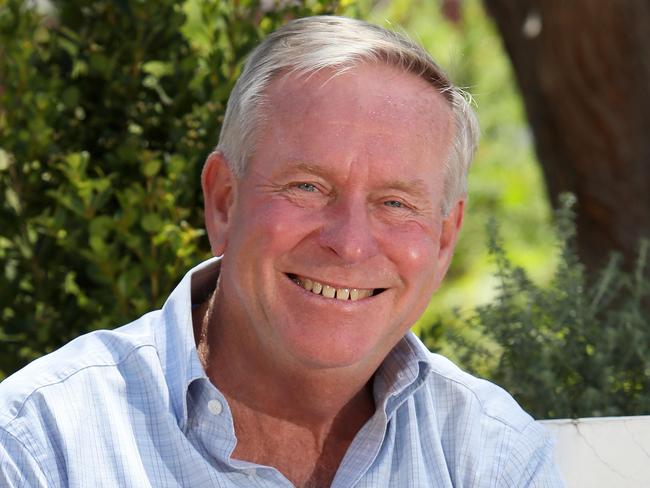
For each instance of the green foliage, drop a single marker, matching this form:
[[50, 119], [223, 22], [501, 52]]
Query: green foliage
[[579, 346], [107, 112]]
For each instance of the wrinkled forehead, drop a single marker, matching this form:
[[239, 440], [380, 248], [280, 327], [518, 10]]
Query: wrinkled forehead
[[369, 89], [381, 105]]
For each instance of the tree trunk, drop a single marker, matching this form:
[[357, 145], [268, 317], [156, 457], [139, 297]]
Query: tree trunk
[[583, 67]]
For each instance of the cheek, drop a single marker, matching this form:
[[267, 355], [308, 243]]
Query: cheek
[[414, 250], [274, 224]]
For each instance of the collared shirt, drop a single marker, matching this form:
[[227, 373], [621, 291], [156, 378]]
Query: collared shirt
[[133, 407]]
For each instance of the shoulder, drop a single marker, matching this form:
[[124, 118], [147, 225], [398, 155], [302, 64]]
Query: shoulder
[[480, 424], [481, 396], [72, 364]]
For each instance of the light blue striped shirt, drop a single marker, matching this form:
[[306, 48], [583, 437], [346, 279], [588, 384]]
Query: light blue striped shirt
[[133, 408]]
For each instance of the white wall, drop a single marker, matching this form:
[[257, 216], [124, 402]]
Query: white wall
[[607, 452]]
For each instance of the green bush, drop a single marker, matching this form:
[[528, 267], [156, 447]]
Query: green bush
[[107, 112], [577, 347]]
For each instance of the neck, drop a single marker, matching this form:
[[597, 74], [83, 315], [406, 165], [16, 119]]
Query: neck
[[299, 420], [312, 398]]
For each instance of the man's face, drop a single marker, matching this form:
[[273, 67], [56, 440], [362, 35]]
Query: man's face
[[343, 191]]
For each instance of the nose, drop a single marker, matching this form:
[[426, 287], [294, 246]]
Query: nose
[[348, 232]]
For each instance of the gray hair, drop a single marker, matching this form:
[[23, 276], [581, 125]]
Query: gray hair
[[310, 44]]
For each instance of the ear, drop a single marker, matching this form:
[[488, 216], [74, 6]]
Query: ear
[[219, 188], [451, 226]]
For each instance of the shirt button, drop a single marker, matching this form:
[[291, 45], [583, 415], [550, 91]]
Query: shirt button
[[250, 473], [215, 407]]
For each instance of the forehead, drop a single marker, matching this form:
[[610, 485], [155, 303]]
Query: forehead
[[376, 92], [372, 113]]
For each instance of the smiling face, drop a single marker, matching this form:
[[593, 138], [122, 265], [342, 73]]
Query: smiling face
[[333, 240]]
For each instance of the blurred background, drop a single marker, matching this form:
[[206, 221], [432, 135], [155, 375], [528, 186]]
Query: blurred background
[[109, 108]]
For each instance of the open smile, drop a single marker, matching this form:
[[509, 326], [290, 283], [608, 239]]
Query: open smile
[[329, 291]]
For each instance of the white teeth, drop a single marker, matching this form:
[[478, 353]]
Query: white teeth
[[342, 293], [328, 291]]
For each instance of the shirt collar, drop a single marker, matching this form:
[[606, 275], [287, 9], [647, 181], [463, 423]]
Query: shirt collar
[[174, 335], [402, 372]]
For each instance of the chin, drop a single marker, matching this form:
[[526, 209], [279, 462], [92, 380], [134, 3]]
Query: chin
[[336, 350]]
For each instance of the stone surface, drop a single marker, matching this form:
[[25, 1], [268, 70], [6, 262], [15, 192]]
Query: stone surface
[[607, 452]]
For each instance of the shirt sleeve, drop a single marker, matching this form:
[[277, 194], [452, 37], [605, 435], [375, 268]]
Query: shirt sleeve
[[532, 463], [18, 468]]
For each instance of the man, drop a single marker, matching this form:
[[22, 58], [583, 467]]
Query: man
[[334, 199]]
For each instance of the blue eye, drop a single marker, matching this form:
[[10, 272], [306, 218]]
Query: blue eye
[[394, 204], [306, 187]]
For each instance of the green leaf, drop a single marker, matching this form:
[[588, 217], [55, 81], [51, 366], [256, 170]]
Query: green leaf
[[158, 68], [151, 222], [11, 198], [151, 168], [5, 160]]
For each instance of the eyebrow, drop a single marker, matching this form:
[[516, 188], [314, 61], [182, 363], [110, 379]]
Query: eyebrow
[[310, 168], [416, 187]]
